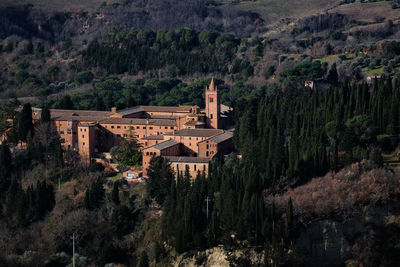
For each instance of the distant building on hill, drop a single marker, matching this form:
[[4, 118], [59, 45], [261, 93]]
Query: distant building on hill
[[185, 135]]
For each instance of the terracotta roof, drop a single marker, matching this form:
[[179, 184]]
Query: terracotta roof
[[164, 145], [87, 124], [154, 137], [78, 115], [139, 121], [188, 159], [212, 85], [221, 137], [195, 123], [196, 132], [133, 110]]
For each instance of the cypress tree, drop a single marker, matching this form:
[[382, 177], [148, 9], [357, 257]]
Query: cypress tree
[[115, 194], [24, 123], [45, 115]]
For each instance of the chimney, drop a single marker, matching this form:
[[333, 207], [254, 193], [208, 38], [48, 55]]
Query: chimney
[[114, 110]]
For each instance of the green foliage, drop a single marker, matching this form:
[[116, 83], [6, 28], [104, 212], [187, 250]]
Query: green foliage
[[52, 72], [160, 179], [299, 135], [300, 73], [45, 115], [94, 194], [24, 122], [115, 194], [21, 76], [110, 92], [43, 92], [30, 205], [128, 152], [123, 220], [183, 49], [83, 77], [5, 167], [23, 65]]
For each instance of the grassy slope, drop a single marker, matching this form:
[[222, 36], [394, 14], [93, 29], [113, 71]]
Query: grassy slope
[[274, 10], [61, 5], [368, 12], [270, 10]]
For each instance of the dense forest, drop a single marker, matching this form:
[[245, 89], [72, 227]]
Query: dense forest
[[286, 139], [183, 51]]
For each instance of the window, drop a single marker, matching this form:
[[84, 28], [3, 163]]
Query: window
[[81, 129], [112, 127], [151, 128], [125, 135], [118, 135], [83, 136], [118, 127], [62, 132], [85, 130], [187, 167], [166, 128], [211, 116], [69, 131], [83, 143], [190, 144], [124, 127], [144, 127], [131, 128], [211, 100], [195, 167], [207, 154], [172, 128], [147, 153], [69, 123], [190, 138], [204, 167]]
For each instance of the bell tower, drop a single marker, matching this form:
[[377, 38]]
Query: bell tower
[[213, 106]]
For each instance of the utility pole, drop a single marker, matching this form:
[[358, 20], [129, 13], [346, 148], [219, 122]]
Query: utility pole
[[73, 237]]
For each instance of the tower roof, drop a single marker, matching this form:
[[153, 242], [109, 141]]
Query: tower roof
[[212, 85]]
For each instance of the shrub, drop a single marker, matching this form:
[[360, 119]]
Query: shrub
[[340, 192], [83, 77]]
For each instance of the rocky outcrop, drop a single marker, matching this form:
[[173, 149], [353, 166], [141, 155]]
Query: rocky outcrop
[[328, 242]]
